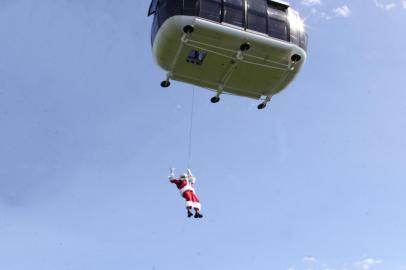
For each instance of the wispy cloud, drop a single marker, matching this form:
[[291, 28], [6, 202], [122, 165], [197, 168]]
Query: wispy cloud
[[319, 14], [311, 2], [310, 262], [343, 11], [387, 6], [404, 4], [324, 15], [366, 264], [310, 259]]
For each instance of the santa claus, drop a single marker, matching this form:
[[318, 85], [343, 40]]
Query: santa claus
[[185, 185]]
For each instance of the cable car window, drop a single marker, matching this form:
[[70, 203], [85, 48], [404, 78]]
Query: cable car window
[[152, 7], [154, 29], [277, 23], [278, 29], [162, 12], [166, 9], [277, 13], [191, 7], [303, 41], [210, 9], [294, 35], [234, 12], [257, 15]]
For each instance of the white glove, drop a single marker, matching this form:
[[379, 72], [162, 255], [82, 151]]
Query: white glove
[[172, 173], [189, 172]]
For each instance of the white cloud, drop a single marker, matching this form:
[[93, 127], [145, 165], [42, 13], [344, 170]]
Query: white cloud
[[317, 12], [387, 7], [343, 11], [390, 6], [366, 264], [310, 262], [310, 259], [311, 2], [404, 4], [320, 14]]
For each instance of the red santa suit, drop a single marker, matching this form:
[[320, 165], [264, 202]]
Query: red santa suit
[[185, 187]]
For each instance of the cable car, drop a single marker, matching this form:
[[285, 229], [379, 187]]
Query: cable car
[[249, 48]]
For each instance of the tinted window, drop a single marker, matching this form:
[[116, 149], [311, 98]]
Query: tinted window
[[210, 9], [152, 7], [303, 41], [276, 12], [162, 12], [234, 12], [277, 29], [298, 34], [154, 29], [191, 7], [166, 9], [294, 37], [294, 34], [257, 15], [277, 24]]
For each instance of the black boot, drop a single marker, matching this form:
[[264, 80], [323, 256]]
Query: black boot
[[198, 215], [189, 214]]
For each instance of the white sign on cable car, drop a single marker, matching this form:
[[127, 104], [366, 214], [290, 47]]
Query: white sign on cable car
[[249, 48]]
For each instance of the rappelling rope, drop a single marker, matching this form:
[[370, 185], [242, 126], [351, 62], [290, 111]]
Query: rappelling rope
[[191, 129]]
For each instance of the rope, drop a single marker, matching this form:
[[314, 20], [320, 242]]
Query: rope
[[191, 129]]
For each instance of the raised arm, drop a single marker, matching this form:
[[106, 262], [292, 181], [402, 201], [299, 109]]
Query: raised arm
[[192, 179], [171, 175]]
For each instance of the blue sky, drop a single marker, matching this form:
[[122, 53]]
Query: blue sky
[[314, 182]]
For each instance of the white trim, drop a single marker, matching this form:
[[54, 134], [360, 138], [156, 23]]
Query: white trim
[[228, 25], [190, 204], [197, 205], [186, 188]]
